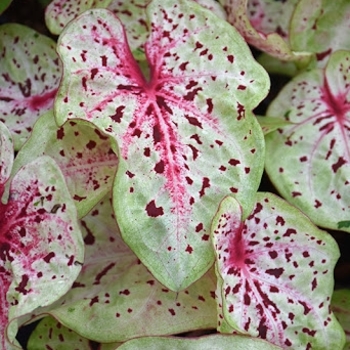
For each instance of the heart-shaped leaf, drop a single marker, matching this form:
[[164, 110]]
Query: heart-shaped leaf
[[60, 12], [29, 77], [83, 153], [275, 270], [170, 130], [341, 308], [120, 297], [217, 342], [320, 26], [41, 249], [309, 162], [259, 24]]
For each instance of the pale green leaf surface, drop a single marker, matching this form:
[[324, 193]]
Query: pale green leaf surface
[[321, 27], [277, 272], [217, 342], [29, 78], [41, 243], [83, 153], [120, 297], [60, 12], [186, 138], [309, 162], [50, 334]]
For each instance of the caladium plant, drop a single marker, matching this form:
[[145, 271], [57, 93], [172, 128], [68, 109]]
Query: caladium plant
[[136, 143]]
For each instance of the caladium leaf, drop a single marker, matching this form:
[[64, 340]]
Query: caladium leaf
[[217, 342], [60, 12], [41, 249], [29, 77], [50, 334], [83, 153], [6, 156], [276, 273], [253, 20], [341, 308], [170, 130], [119, 296], [321, 27], [309, 162]]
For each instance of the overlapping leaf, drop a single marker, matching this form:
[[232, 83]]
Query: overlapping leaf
[[41, 248], [50, 334], [264, 24], [276, 274], [120, 297], [217, 342], [60, 12], [309, 162], [83, 153], [341, 308], [29, 77], [6, 156], [321, 27], [186, 137]]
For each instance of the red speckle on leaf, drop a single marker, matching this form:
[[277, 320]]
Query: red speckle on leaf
[[130, 174], [119, 112], [104, 60], [273, 254], [93, 301], [78, 198], [83, 83], [275, 272], [89, 238], [60, 133], [199, 227], [194, 121], [94, 71], [317, 203], [306, 308], [234, 162], [189, 249], [289, 232], [48, 257], [341, 161], [230, 58], [23, 284], [205, 184], [172, 312], [159, 167], [280, 221], [124, 292], [154, 211], [91, 145]]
